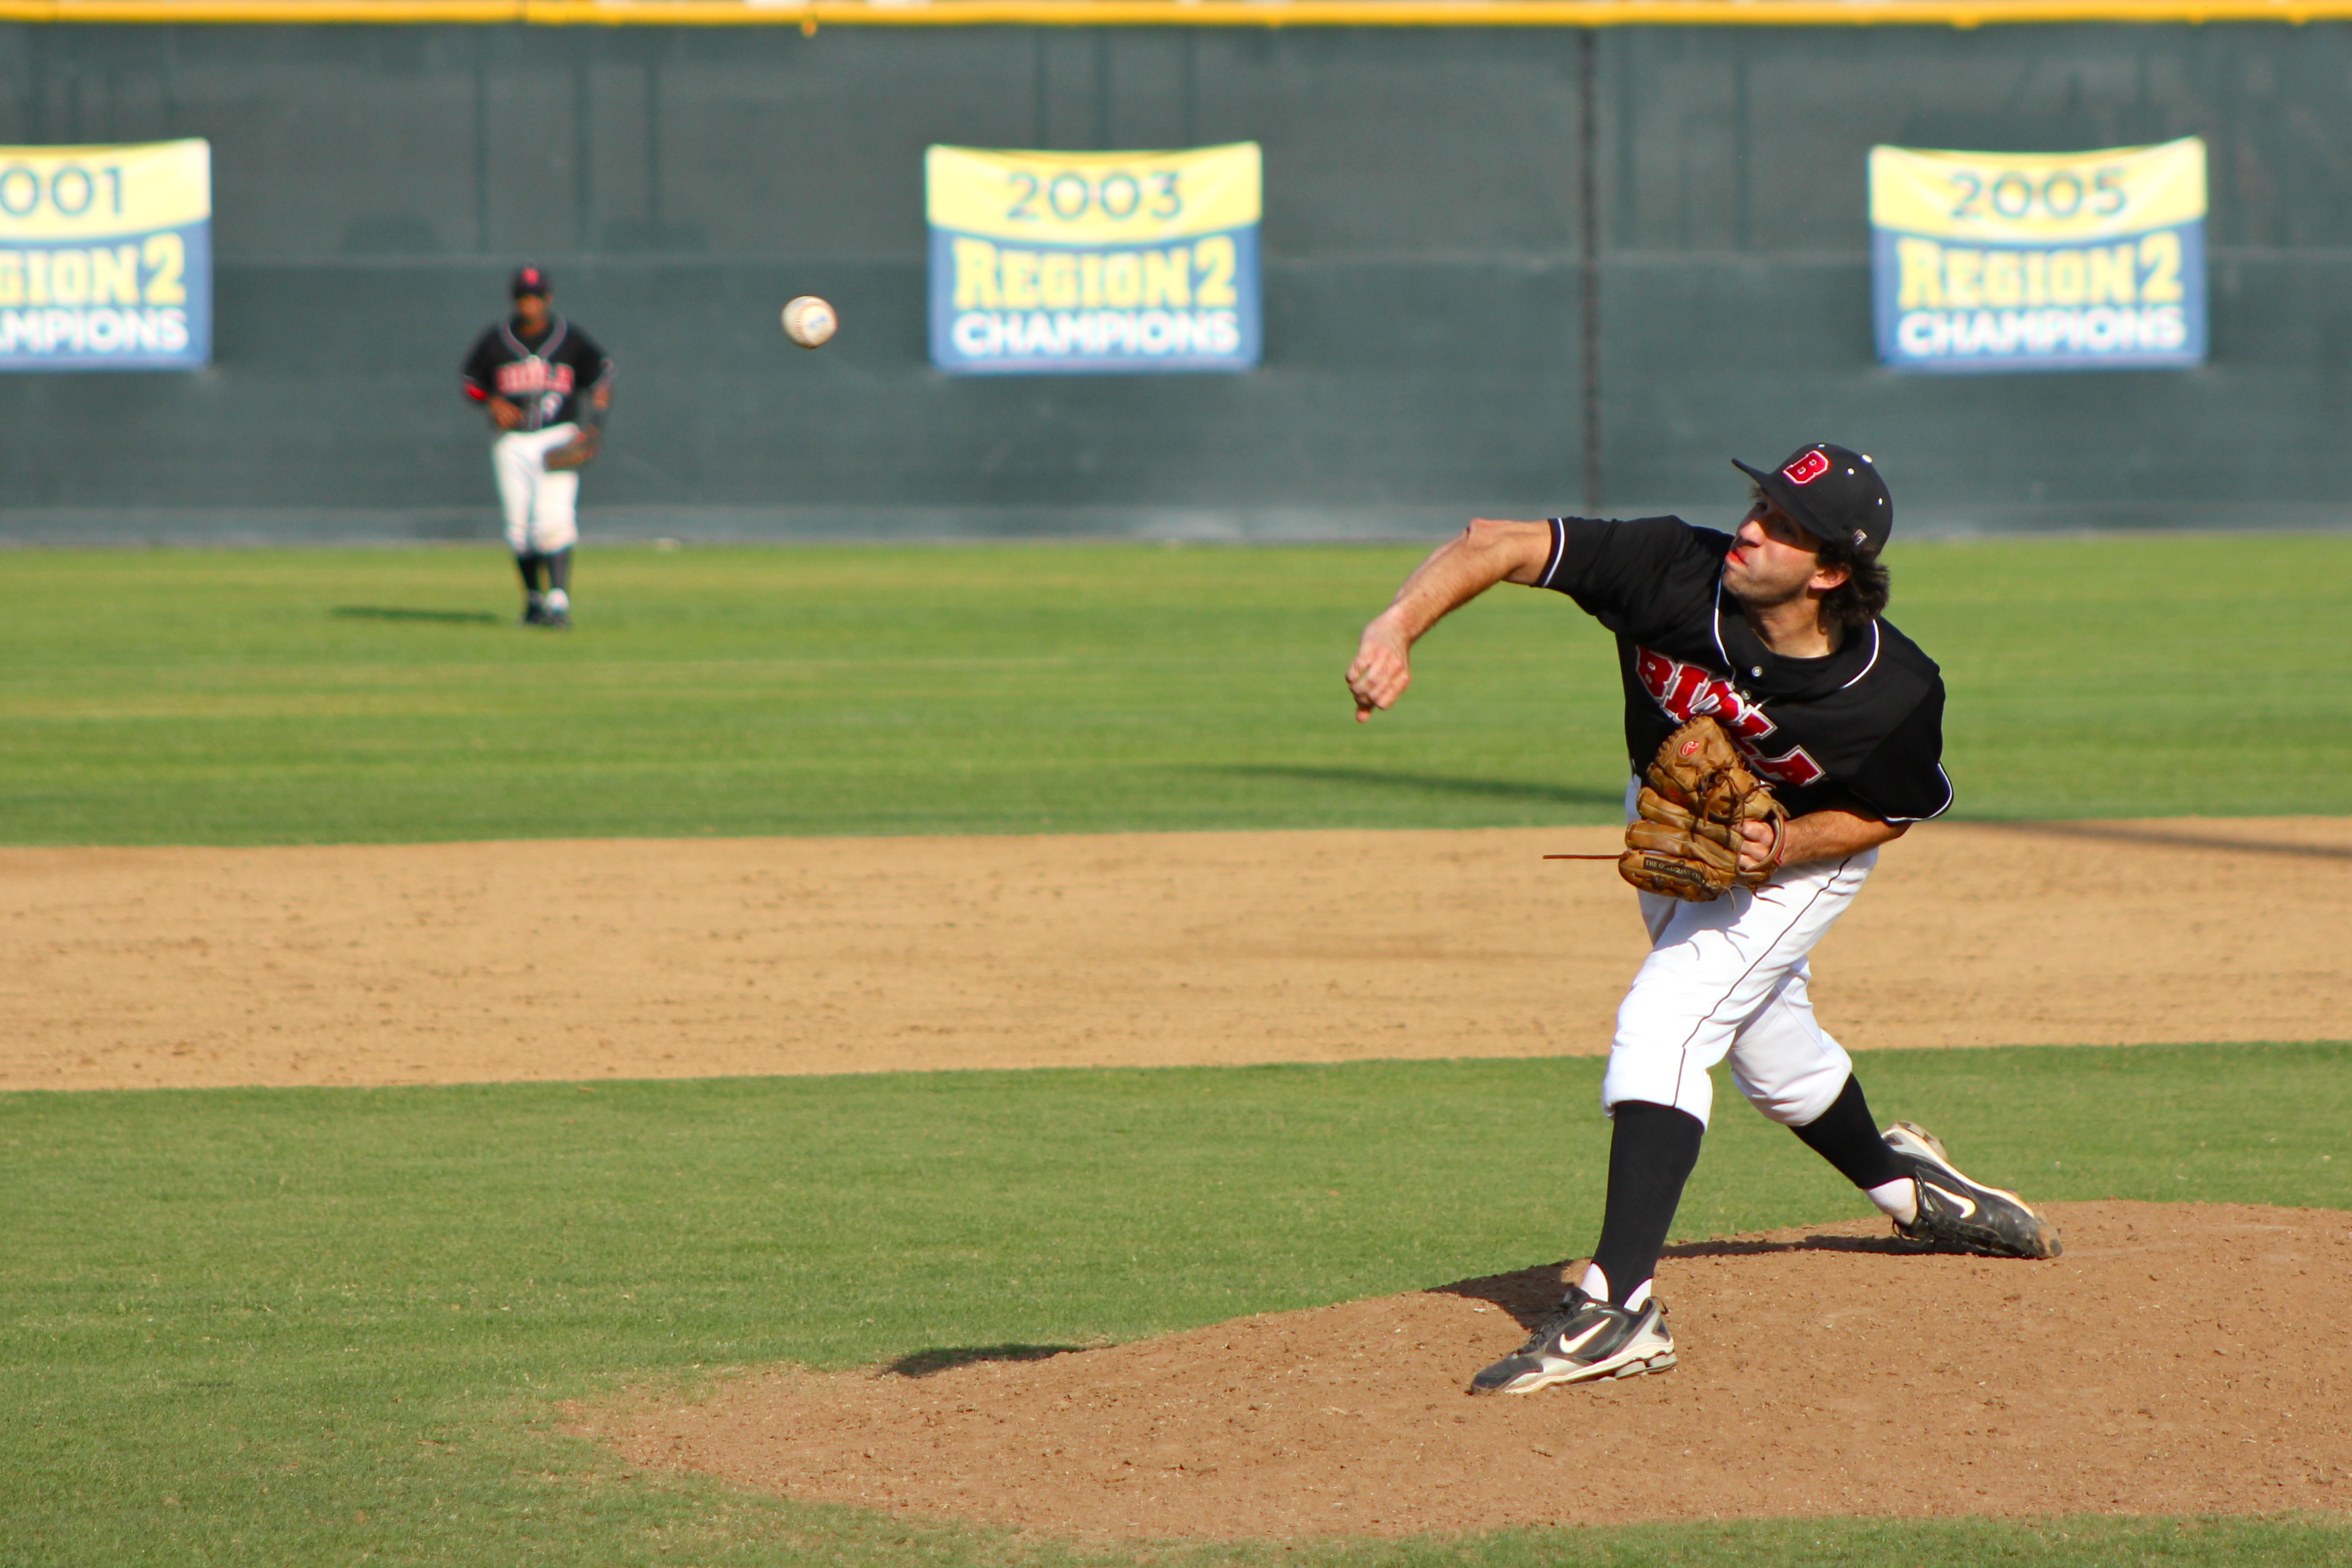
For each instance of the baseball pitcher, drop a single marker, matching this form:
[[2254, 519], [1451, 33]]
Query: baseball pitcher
[[1779, 732], [547, 386]]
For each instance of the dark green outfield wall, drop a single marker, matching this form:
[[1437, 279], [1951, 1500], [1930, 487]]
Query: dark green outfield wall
[[1423, 276]]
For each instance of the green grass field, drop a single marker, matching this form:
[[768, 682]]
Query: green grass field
[[314, 1326], [353, 696], [303, 1327]]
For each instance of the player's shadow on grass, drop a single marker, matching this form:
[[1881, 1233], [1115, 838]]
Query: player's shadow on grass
[[1530, 1294], [1443, 784], [387, 613], [941, 1358]]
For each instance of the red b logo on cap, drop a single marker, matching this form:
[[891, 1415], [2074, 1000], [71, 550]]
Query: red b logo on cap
[[1807, 469]]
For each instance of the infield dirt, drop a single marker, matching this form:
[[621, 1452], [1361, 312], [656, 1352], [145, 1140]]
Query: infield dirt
[[2179, 1359], [424, 963]]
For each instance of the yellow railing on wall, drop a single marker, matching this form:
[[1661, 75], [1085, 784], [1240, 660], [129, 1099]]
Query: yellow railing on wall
[[810, 15]]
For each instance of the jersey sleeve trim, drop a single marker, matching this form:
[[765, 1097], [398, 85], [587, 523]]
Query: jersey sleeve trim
[[1940, 811], [1558, 551]]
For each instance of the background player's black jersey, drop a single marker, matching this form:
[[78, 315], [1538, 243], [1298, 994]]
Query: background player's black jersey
[[545, 374], [1867, 721]]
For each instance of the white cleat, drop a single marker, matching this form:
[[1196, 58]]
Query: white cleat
[[1582, 1341]]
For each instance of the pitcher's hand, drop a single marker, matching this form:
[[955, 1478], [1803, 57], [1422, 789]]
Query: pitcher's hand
[[1756, 844], [1381, 670]]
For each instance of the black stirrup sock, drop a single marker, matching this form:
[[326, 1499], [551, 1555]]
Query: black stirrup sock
[[1651, 1155], [1847, 1137], [527, 563], [558, 570]]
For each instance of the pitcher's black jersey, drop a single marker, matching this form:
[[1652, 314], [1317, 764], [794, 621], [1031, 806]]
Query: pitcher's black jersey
[[1865, 723], [546, 378]]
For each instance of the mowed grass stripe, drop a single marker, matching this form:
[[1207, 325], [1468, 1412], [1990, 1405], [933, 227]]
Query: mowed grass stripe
[[344, 696], [295, 1326]]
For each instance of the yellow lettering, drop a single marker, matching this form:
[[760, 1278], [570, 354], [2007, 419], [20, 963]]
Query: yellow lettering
[[114, 276], [1020, 279], [70, 276], [2037, 277], [1215, 259], [2004, 282], [1963, 270], [1168, 275], [1122, 280], [1090, 296], [1922, 263], [37, 278], [2160, 253], [976, 275], [2114, 277], [12, 277], [166, 257], [2065, 276], [1057, 280]]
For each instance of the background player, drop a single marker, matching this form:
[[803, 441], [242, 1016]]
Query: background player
[[547, 386], [1776, 633]]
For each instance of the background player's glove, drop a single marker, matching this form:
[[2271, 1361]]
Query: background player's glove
[[582, 449], [576, 453], [1699, 796]]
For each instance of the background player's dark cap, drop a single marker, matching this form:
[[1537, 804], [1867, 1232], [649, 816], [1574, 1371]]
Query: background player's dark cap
[[1833, 493], [531, 281]]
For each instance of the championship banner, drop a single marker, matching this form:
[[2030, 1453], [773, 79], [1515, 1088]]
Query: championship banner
[[1995, 261], [106, 257], [1128, 263]]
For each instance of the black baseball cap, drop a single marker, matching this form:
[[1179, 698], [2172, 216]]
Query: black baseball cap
[[1833, 493], [530, 280]]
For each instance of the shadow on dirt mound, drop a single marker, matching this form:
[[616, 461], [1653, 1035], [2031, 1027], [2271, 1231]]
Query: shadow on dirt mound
[[940, 1358], [1529, 1294], [1764, 1246]]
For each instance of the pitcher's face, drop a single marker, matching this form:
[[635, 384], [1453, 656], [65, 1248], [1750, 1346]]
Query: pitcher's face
[[1774, 562]]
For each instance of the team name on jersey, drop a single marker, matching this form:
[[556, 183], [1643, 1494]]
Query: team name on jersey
[[524, 377], [1686, 692]]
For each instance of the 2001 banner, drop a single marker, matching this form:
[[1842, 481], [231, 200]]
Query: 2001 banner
[[1992, 261], [106, 257], [1120, 262]]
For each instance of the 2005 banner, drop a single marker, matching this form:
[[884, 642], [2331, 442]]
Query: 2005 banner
[[1992, 261], [1121, 262], [106, 257]]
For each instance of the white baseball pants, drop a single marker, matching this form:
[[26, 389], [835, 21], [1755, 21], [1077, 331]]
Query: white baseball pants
[[1727, 980], [541, 506]]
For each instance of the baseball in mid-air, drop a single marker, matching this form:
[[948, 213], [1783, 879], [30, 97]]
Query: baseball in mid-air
[[810, 322]]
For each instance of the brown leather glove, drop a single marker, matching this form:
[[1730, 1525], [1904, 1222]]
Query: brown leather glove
[[578, 452], [1699, 795]]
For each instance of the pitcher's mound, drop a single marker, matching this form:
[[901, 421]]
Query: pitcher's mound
[[2178, 1359]]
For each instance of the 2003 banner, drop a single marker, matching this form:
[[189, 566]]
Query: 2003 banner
[[1119, 262], [106, 257], [1993, 262]]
